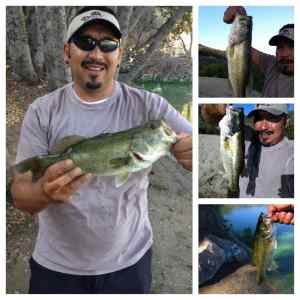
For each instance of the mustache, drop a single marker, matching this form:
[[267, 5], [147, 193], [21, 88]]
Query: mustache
[[87, 62], [265, 132]]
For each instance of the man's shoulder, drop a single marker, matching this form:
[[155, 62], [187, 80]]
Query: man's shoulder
[[51, 98], [137, 92], [289, 144]]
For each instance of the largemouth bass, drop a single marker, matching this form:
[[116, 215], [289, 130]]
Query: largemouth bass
[[264, 245], [111, 154], [232, 147], [239, 54]]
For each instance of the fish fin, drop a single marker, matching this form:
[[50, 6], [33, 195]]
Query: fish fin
[[121, 179], [119, 162], [65, 143]]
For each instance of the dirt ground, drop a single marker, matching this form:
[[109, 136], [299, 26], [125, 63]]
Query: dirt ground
[[170, 209]]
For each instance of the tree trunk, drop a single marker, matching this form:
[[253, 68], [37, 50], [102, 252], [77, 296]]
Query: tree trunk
[[17, 44], [124, 15], [52, 20], [154, 43], [35, 40]]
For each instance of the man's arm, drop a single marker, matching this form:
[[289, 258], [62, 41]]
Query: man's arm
[[58, 184]]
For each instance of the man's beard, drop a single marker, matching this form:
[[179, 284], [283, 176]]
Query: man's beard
[[93, 84], [284, 67]]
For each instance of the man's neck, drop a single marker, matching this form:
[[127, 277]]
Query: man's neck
[[93, 95]]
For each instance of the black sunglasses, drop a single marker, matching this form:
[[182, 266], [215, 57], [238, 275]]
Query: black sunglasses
[[87, 43]]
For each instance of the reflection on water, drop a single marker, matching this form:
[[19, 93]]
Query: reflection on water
[[176, 93], [243, 218]]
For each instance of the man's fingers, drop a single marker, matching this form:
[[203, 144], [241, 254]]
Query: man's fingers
[[288, 218], [52, 186], [58, 169], [183, 144], [187, 155], [75, 185], [187, 164]]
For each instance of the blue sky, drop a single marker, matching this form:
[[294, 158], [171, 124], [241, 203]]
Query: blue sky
[[267, 20], [249, 107]]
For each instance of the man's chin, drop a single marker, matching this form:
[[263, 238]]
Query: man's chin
[[265, 142], [286, 70], [93, 85]]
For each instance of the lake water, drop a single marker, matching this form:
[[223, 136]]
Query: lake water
[[176, 93], [243, 218]]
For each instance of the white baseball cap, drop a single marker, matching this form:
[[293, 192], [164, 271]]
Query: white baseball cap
[[91, 16]]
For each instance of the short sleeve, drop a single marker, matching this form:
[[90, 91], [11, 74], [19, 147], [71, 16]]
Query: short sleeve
[[33, 137], [160, 108]]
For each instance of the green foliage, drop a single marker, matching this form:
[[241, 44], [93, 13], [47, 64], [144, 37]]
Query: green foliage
[[219, 69], [290, 127], [213, 70]]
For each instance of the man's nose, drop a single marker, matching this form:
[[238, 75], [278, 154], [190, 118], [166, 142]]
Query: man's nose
[[284, 52], [96, 53], [263, 124]]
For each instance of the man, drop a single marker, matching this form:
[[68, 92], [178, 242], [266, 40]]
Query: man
[[93, 237], [278, 71], [269, 155]]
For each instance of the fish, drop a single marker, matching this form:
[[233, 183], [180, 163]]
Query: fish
[[264, 244], [110, 154], [232, 148], [238, 54]]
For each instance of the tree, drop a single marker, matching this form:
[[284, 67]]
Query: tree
[[18, 46], [38, 35]]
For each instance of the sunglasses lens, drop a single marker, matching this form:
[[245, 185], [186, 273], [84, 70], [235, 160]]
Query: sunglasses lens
[[108, 45], [86, 43]]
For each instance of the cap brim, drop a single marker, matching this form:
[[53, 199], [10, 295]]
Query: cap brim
[[115, 31], [274, 112], [277, 39]]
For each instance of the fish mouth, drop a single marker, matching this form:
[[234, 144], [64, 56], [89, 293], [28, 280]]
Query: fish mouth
[[169, 132], [138, 156]]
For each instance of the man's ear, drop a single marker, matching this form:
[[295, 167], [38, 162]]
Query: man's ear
[[120, 56], [67, 55]]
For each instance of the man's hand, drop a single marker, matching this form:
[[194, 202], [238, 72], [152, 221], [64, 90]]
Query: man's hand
[[183, 151], [282, 213], [213, 113], [62, 180], [58, 184], [232, 11]]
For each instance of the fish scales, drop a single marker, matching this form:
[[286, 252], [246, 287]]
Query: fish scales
[[264, 245], [232, 147], [115, 154], [239, 54]]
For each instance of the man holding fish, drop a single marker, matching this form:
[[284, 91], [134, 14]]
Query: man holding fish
[[269, 155], [279, 70], [94, 231]]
